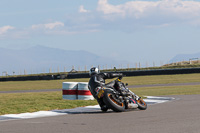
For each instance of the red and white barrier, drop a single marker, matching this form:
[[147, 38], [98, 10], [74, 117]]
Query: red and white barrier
[[76, 91], [70, 90], [83, 91]]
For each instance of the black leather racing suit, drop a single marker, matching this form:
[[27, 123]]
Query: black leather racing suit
[[98, 80]]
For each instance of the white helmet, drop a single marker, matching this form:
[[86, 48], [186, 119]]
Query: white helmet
[[94, 70]]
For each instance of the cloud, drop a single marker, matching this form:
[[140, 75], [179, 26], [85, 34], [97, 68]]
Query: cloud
[[141, 14], [106, 8], [82, 10], [54, 28], [5, 29], [135, 15], [60, 28], [48, 26], [53, 25], [129, 16], [139, 9]]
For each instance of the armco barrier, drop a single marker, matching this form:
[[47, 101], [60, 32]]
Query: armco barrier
[[76, 91], [86, 75], [162, 72], [144, 72]]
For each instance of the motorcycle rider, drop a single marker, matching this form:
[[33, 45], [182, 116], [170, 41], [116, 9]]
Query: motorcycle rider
[[96, 82]]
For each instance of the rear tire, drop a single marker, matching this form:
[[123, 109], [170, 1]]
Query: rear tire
[[111, 103]]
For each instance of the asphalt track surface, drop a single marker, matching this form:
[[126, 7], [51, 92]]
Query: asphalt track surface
[[177, 116]]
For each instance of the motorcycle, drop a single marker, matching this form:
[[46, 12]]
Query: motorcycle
[[121, 99]]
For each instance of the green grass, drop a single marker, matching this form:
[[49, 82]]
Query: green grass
[[31, 102], [162, 79], [137, 80], [169, 90], [36, 85]]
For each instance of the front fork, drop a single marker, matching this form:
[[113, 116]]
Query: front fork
[[136, 97], [131, 101]]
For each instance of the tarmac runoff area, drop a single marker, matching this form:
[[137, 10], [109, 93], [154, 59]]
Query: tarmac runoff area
[[150, 100], [179, 115]]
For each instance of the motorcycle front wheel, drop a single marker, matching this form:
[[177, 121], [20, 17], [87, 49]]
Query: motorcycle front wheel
[[141, 104], [113, 103]]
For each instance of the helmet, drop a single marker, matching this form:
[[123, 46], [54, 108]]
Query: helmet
[[94, 70]]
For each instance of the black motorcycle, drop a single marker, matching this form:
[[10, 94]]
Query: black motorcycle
[[120, 99]]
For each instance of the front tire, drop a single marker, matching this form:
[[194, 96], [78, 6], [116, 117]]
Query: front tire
[[141, 104], [113, 103]]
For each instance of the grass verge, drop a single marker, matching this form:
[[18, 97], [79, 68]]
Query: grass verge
[[162, 79], [168, 90], [137, 80], [36, 85], [31, 102]]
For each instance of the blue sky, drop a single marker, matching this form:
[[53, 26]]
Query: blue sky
[[136, 31]]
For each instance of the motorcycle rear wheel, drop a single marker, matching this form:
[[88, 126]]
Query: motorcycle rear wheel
[[111, 102]]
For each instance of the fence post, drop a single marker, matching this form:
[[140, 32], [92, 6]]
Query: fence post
[[161, 63], [49, 70], [139, 65], [58, 69], [79, 68], [146, 64], [136, 66]]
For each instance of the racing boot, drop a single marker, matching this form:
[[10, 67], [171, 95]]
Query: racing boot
[[102, 105], [104, 108]]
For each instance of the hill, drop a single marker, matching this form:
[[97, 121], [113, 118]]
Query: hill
[[40, 59], [185, 57]]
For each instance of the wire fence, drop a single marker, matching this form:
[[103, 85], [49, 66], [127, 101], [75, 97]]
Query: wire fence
[[106, 67], [78, 68]]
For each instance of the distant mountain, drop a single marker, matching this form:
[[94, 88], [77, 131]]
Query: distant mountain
[[40, 59], [185, 57]]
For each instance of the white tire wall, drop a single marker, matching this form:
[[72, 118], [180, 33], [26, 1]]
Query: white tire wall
[[70, 90], [76, 91], [83, 91]]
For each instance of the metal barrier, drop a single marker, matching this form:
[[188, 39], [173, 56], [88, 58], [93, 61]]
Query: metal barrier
[[86, 75]]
